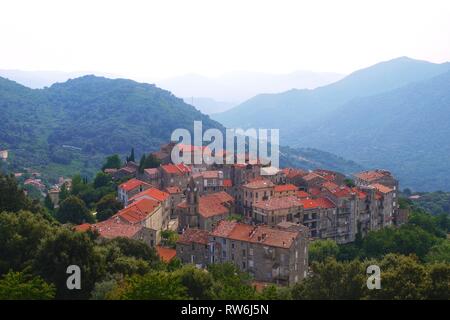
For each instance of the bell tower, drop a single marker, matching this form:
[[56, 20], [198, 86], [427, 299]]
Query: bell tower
[[192, 201]]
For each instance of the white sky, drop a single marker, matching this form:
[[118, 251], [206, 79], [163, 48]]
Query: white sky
[[167, 38]]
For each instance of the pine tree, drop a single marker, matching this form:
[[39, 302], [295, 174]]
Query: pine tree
[[131, 158]]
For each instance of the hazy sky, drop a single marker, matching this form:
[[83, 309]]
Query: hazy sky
[[156, 39]]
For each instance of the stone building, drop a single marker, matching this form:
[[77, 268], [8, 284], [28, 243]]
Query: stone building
[[252, 192], [192, 247], [203, 212], [284, 190], [131, 188], [174, 175], [209, 181], [276, 209], [278, 255], [175, 198]]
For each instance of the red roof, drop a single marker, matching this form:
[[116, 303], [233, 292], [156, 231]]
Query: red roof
[[178, 169], [292, 173], [83, 227], [317, 203], [212, 204], [382, 188], [133, 184], [314, 191], [342, 192], [172, 190], [114, 227], [166, 254], [277, 203], [371, 175], [303, 194], [330, 185], [259, 184], [138, 211], [153, 193], [361, 194], [285, 187], [254, 234], [191, 235]]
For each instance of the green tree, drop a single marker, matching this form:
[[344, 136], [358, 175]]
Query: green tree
[[156, 285], [49, 203], [402, 278], [13, 199], [131, 157], [197, 282], [63, 193], [21, 234], [439, 281], [20, 286], [112, 162], [107, 207], [333, 280], [149, 161], [439, 253], [74, 210], [169, 238], [319, 250], [102, 180], [230, 283], [65, 248]]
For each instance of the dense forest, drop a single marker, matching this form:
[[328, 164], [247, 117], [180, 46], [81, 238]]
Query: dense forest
[[38, 243]]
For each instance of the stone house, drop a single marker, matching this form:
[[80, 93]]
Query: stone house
[[275, 210], [284, 190], [192, 247], [174, 175], [252, 192], [278, 255], [131, 188], [203, 212]]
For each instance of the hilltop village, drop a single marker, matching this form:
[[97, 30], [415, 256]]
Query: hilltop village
[[259, 218]]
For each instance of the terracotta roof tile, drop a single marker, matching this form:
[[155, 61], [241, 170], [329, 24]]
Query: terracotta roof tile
[[191, 235], [133, 184], [153, 193], [178, 169], [254, 234], [138, 211], [166, 254], [259, 184], [370, 175], [382, 188], [114, 227], [172, 190], [278, 203], [285, 187]]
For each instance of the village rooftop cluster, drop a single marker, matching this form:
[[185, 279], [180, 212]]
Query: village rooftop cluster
[[258, 217]]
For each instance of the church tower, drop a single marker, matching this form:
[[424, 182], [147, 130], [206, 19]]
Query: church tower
[[192, 200]]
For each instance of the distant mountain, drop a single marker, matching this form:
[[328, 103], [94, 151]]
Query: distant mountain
[[41, 79], [237, 87], [294, 110], [405, 130], [97, 116], [310, 159], [70, 127], [209, 105]]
